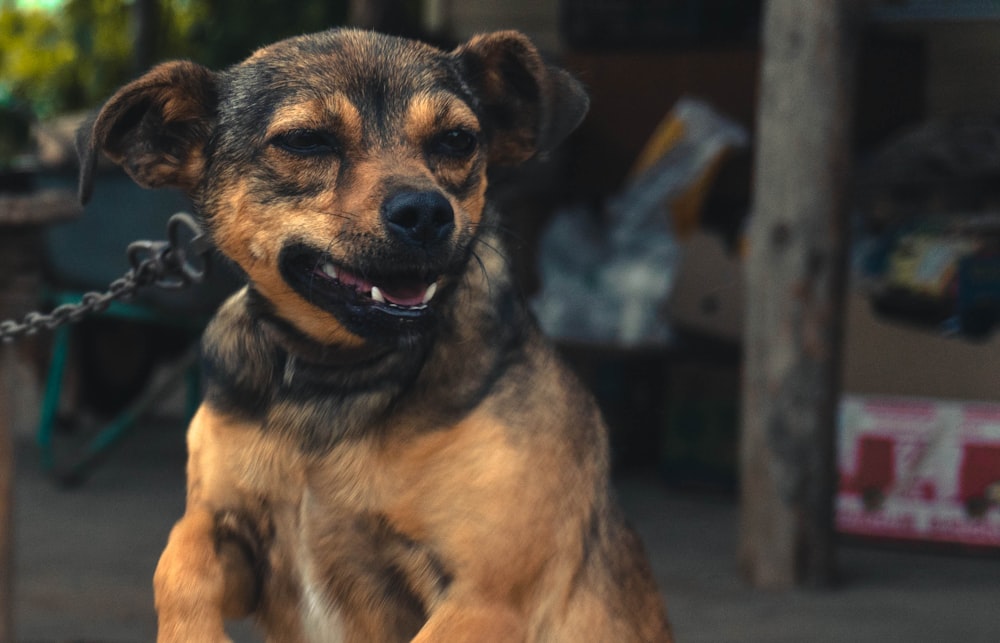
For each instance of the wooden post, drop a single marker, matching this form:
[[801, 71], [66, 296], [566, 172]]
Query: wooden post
[[21, 218], [6, 500], [795, 293]]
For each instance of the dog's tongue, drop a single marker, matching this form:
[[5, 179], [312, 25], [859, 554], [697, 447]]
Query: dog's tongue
[[399, 293], [404, 294], [354, 281]]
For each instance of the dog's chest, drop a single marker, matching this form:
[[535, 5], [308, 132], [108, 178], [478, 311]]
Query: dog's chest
[[358, 578], [321, 620]]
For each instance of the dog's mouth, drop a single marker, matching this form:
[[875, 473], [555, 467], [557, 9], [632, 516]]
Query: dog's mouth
[[394, 294], [365, 301]]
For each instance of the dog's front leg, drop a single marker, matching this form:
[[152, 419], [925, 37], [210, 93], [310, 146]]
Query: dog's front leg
[[458, 622], [200, 581]]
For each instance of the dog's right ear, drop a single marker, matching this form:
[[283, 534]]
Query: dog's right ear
[[155, 127]]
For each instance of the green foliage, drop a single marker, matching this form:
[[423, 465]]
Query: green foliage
[[63, 60], [75, 53], [75, 56]]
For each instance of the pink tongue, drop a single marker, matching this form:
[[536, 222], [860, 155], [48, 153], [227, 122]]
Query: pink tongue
[[354, 281], [401, 295], [405, 295]]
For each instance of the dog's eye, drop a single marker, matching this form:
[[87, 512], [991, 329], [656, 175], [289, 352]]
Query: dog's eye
[[458, 143], [306, 142]]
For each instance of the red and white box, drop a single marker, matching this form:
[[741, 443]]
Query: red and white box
[[919, 470]]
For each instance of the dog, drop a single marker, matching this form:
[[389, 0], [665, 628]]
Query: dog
[[388, 449]]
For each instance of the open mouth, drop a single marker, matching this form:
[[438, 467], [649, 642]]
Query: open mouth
[[395, 294], [364, 301]]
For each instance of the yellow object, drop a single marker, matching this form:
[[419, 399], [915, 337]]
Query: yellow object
[[685, 208], [926, 264], [664, 138]]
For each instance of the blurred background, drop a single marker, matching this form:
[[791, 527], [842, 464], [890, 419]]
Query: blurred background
[[631, 243]]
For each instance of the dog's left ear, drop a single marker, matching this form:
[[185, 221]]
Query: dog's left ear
[[529, 106], [154, 127]]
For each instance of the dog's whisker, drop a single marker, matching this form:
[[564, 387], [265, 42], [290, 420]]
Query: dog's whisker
[[347, 216], [503, 230], [499, 252], [326, 250], [485, 272]]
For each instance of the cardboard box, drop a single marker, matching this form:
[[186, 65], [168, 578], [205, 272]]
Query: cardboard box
[[919, 469], [888, 358], [708, 295]]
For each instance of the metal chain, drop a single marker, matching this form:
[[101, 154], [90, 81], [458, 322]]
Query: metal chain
[[171, 264]]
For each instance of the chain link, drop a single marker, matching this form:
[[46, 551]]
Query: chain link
[[172, 264]]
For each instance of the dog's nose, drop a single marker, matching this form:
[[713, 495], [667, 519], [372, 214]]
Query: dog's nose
[[419, 218]]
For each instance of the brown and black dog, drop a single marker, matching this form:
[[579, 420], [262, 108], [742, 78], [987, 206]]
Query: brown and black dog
[[388, 449]]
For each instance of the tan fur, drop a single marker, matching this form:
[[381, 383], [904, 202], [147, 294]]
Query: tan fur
[[462, 490]]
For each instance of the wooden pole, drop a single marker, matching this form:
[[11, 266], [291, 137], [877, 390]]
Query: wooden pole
[[795, 293], [6, 500]]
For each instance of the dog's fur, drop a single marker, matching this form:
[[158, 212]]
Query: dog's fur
[[364, 470]]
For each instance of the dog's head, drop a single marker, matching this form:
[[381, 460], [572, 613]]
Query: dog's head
[[345, 171]]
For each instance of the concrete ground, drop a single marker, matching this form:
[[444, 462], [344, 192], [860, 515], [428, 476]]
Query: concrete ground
[[85, 557]]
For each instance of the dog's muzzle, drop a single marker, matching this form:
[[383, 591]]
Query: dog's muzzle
[[392, 284]]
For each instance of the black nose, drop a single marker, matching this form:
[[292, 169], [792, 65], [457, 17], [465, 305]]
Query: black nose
[[418, 218]]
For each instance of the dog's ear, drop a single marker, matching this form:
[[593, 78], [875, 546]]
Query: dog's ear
[[155, 128], [530, 106]]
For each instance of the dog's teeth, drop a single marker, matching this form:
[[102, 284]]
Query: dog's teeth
[[430, 292], [330, 270], [377, 295]]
